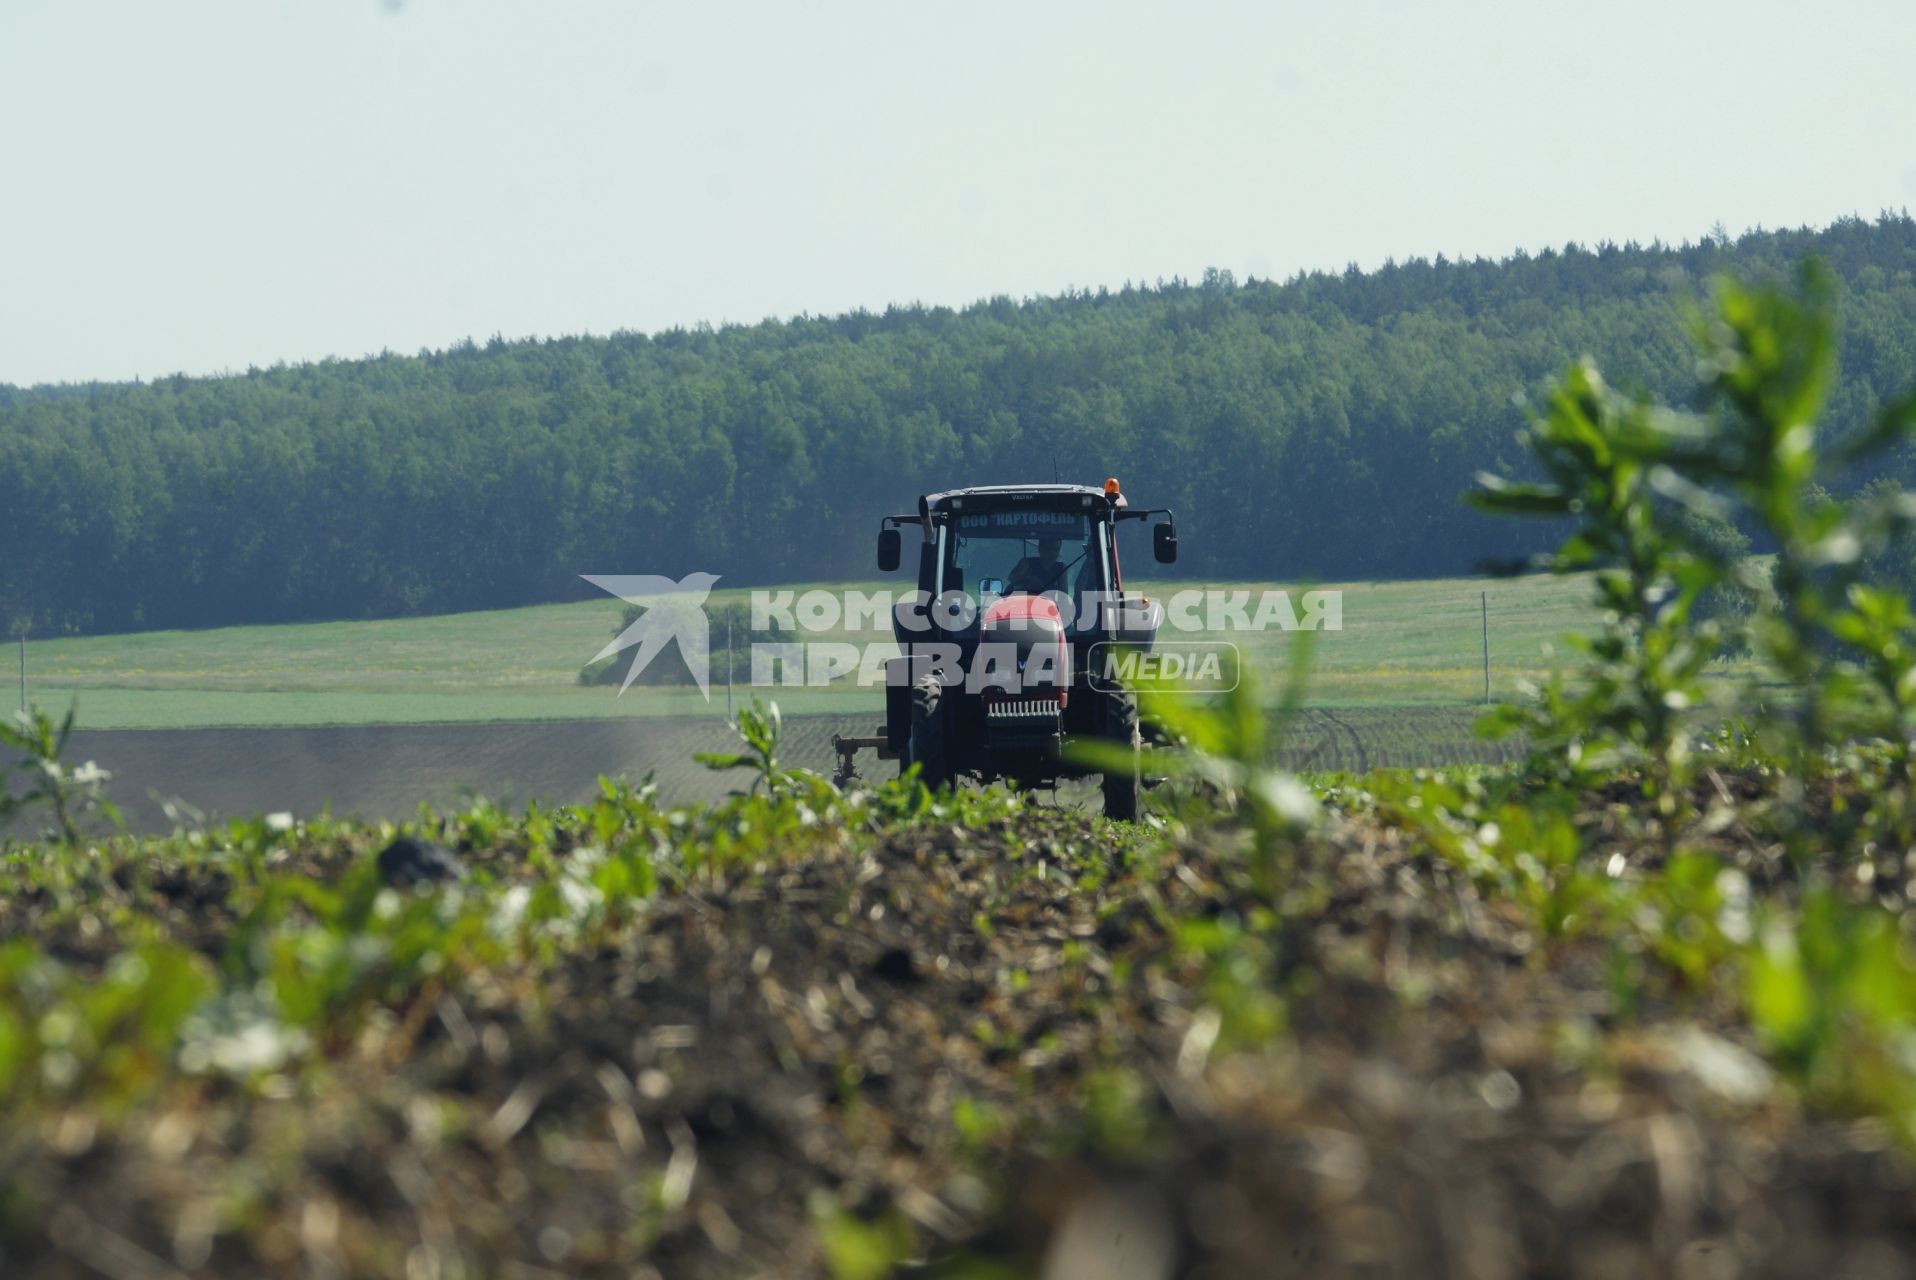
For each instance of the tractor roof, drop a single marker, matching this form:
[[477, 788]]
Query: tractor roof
[[1000, 496], [1027, 488], [1108, 502]]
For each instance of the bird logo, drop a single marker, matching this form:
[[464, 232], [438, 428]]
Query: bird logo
[[673, 611]]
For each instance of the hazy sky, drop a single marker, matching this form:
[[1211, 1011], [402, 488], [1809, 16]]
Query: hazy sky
[[201, 185]]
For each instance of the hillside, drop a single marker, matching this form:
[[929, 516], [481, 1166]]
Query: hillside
[[1321, 426]]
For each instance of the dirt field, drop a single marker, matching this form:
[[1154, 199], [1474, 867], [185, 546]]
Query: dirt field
[[388, 771], [986, 1044]]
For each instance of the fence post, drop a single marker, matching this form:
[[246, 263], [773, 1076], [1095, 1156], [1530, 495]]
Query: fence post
[[1483, 603]]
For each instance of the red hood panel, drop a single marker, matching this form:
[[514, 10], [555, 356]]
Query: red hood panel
[[1022, 608]]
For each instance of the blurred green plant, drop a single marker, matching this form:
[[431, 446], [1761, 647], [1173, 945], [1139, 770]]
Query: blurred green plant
[[1524, 848], [1830, 988], [1649, 489], [1604, 459], [856, 1249], [759, 727], [1832, 997], [1842, 643], [1730, 602], [327, 953], [45, 779], [1217, 757], [106, 1039]]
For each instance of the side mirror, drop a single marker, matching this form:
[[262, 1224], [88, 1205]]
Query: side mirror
[[890, 545], [1164, 543]]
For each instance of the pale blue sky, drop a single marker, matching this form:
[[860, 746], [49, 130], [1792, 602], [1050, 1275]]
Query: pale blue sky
[[208, 184]]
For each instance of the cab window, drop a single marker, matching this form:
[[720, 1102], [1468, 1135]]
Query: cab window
[[990, 554]]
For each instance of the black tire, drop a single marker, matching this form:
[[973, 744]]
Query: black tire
[[927, 747], [1121, 727]]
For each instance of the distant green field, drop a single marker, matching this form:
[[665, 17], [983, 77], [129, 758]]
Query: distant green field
[[1402, 643], [512, 664]]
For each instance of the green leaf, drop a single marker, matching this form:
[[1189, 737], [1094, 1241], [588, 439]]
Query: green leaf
[[1502, 497]]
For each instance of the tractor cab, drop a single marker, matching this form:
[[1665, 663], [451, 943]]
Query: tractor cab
[[1064, 558], [1018, 587], [983, 546]]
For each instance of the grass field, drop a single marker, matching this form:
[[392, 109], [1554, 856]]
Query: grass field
[[308, 718], [1402, 643]]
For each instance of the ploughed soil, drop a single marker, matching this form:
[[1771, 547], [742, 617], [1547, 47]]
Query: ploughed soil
[[999, 1045], [385, 772]]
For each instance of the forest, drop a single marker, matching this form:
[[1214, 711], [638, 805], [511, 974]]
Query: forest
[[1319, 427]]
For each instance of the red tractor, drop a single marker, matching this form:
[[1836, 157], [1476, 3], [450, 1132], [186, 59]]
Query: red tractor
[[1003, 648]]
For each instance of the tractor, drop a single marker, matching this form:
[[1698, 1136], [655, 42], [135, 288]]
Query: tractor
[[1006, 645]]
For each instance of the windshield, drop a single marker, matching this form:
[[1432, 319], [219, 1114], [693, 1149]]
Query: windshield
[[1050, 553]]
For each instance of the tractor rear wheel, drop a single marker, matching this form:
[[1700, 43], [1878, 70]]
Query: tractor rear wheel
[[927, 747], [1121, 728]]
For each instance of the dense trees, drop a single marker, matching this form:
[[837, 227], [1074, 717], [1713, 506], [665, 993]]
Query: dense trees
[[1323, 426]]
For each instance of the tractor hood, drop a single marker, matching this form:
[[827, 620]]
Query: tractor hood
[[1022, 647]]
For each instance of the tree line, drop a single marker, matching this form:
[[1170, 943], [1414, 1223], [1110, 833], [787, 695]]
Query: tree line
[[1319, 427]]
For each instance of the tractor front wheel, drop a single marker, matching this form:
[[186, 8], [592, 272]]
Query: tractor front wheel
[[927, 747], [1121, 728]]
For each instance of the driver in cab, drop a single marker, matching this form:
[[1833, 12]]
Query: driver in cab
[[1035, 575]]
